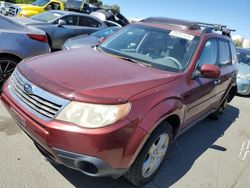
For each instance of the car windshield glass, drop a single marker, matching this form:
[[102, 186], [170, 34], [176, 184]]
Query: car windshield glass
[[160, 48], [244, 57], [105, 32], [48, 16], [40, 2]]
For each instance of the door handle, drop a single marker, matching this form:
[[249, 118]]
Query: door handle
[[217, 82]]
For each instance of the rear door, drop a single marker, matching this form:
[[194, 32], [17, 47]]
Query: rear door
[[227, 70], [64, 32]]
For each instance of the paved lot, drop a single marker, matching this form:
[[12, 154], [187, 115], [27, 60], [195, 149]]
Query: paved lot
[[205, 156]]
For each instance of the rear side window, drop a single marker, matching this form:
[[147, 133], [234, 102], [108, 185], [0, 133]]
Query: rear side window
[[88, 22], [224, 57], [209, 53], [234, 53], [70, 20]]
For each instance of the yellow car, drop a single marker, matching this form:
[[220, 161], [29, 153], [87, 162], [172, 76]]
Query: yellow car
[[37, 7]]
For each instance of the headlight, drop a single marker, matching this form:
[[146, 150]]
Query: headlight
[[245, 76], [93, 115]]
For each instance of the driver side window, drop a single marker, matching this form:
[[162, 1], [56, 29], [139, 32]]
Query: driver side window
[[53, 6], [209, 53]]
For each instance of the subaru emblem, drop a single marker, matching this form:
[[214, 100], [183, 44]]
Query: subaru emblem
[[27, 88]]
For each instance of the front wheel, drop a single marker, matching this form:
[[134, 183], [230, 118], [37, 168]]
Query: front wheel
[[151, 156], [7, 66]]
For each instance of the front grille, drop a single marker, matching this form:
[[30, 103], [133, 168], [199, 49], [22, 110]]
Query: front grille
[[38, 100]]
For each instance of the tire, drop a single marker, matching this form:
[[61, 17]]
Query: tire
[[7, 66], [217, 114], [145, 167]]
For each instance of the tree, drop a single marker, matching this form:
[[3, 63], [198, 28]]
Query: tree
[[116, 8], [238, 43]]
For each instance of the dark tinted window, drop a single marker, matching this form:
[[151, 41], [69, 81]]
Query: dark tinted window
[[88, 22], [53, 6], [70, 20], [224, 57], [209, 53]]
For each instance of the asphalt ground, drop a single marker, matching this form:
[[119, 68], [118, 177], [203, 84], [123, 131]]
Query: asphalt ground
[[210, 154]]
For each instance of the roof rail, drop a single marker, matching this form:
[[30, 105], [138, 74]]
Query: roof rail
[[208, 28], [174, 22], [205, 27]]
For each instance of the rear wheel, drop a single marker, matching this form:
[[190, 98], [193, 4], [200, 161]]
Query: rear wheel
[[7, 66], [217, 114], [151, 156]]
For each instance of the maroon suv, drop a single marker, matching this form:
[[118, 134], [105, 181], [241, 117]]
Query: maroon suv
[[114, 109]]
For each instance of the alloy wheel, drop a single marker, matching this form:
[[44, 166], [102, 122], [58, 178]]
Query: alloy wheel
[[6, 69], [155, 155]]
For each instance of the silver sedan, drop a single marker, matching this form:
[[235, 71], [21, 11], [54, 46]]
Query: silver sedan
[[62, 25], [16, 43]]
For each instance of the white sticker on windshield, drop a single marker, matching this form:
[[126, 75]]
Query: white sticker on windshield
[[181, 35]]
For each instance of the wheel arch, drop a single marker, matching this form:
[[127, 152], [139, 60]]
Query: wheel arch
[[170, 111], [10, 56], [49, 39]]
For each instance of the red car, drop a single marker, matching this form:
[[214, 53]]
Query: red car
[[113, 110]]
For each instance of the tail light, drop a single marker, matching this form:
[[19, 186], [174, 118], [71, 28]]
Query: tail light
[[41, 38]]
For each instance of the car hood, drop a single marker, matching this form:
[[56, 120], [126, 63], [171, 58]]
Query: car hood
[[91, 76], [243, 68], [81, 41]]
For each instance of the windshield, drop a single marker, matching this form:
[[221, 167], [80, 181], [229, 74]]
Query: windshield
[[159, 48], [40, 2], [48, 16], [105, 32], [244, 57]]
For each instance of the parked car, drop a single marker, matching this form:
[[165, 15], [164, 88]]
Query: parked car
[[114, 110], [87, 8], [37, 7], [18, 42], [62, 25], [89, 40], [243, 79]]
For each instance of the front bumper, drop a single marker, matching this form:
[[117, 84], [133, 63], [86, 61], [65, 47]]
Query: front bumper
[[111, 150], [243, 86], [88, 165]]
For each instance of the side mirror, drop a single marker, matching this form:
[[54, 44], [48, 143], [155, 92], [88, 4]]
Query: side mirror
[[61, 22], [210, 71]]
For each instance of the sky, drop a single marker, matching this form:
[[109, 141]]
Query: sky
[[233, 13]]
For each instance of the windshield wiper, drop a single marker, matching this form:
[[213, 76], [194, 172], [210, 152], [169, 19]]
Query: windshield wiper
[[134, 61]]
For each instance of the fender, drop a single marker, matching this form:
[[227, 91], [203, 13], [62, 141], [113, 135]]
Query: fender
[[27, 13], [171, 106]]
